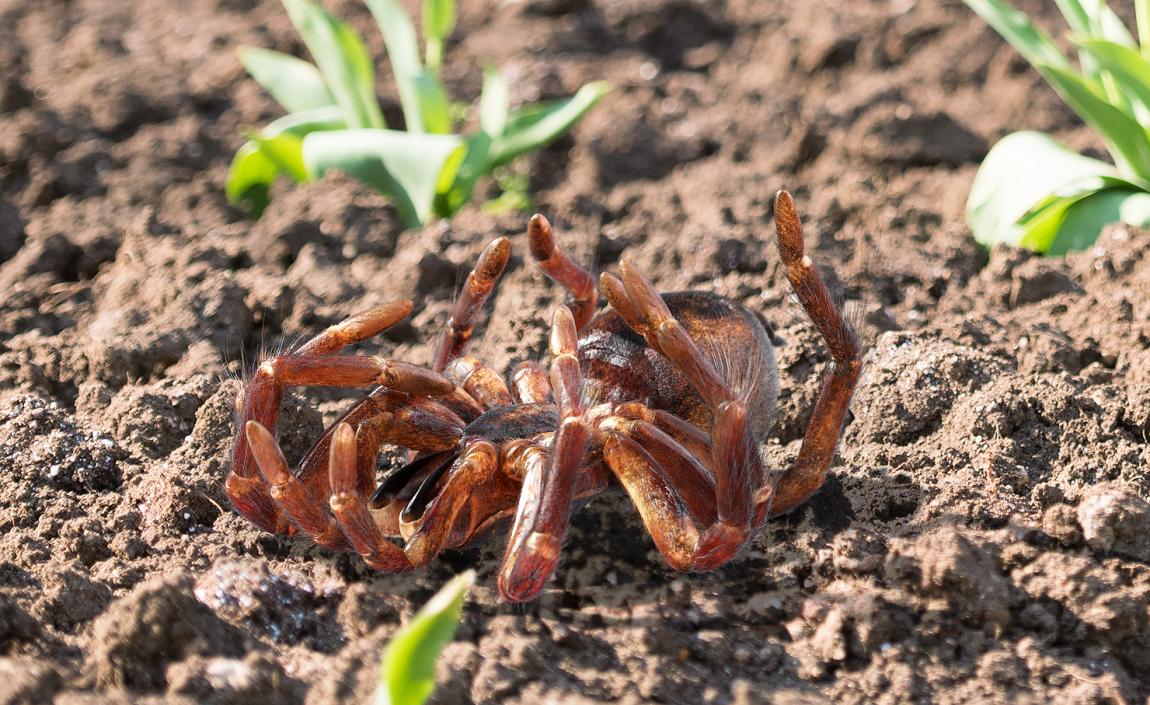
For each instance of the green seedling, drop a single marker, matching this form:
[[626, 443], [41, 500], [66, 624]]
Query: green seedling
[[407, 674], [1034, 192], [335, 122]]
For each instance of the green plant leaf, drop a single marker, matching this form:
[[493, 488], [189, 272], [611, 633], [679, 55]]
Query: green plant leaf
[[343, 61], [457, 193], [438, 22], [252, 170], [1074, 223], [1129, 68], [403, 52], [285, 150], [494, 102], [403, 166], [1035, 45], [538, 125], [1022, 170], [434, 107], [407, 674], [294, 83], [1125, 138]]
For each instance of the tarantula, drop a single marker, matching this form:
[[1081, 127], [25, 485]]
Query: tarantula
[[665, 395]]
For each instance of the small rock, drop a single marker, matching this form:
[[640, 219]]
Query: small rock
[[1060, 522], [227, 681], [947, 563], [158, 622], [27, 681], [283, 605], [858, 550], [1115, 519], [1034, 281], [16, 626]]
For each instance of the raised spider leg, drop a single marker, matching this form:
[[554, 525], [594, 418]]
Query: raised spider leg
[[476, 290], [262, 395], [578, 282], [545, 503], [806, 474], [644, 467], [734, 458]]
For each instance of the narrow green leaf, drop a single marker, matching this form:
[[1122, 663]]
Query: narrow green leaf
[[1076, 16], [407, 675], [1021, 171], [294, 83], [252, 171], [1126, 139], [438, 23], [494, 102], [403, 52], [1035, 45], [343, 61], [1129, 68], [1142, 16], [403, 166], [540, 125]]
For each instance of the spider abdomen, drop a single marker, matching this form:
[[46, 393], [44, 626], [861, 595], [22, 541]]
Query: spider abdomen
[[619, 366]]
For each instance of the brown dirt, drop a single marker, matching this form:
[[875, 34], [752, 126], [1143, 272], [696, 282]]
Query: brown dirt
[[983, 539]]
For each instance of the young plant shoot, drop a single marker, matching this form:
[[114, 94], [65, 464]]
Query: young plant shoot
[[407, 673], [334, 121], [1035, 193]]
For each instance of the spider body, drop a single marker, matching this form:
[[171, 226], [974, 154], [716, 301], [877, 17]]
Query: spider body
[[666, 396]]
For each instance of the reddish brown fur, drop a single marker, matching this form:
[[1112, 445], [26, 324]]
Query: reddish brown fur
[[664, 395]]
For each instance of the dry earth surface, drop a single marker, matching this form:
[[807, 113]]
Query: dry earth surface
[[985, 537]]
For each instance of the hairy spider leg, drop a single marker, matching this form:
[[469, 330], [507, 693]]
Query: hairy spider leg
[[806, 474], [350, 509], [483, 383], [476, 290], [262, 396], [734, 459], [545, 503], [578, 282], [530, 384]]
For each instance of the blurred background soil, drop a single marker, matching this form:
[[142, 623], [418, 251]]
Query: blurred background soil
[[985, 537]]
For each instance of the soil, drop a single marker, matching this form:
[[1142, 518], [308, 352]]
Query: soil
[[985, 536]]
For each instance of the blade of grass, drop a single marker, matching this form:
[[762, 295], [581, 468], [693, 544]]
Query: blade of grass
[[438, 23], [403, 52], [494, 103], [1035, 45], [541, 125], [294, 83], [1125, 138], [252, 171], [407, 674], [403, 166], [342, 59], [1130, 70], [1142, 16]]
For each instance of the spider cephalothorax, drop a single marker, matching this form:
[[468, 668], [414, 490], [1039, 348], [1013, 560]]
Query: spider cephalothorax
[[667, 396]]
